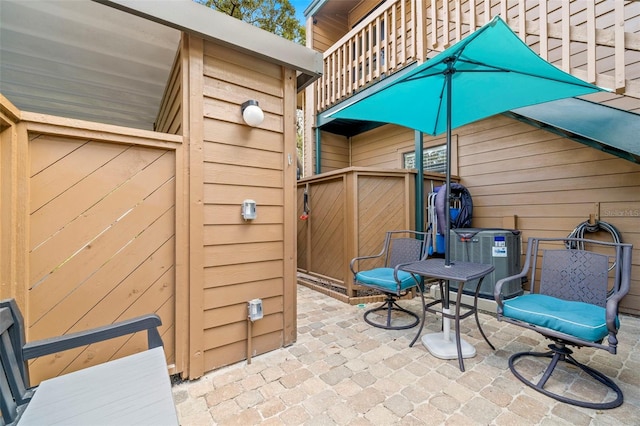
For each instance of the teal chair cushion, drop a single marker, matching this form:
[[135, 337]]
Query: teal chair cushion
[[579, 319], [383, 278]]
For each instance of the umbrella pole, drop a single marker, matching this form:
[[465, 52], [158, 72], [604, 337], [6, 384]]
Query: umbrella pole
[[446, 322], [440, 344], [447, 210]]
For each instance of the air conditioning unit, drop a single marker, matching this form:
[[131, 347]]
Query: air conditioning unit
[[498, 247]]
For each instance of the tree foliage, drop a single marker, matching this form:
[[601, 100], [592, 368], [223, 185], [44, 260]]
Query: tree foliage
[[276, 16]]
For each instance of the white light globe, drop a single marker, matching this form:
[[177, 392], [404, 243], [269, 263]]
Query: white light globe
[[252, 114]]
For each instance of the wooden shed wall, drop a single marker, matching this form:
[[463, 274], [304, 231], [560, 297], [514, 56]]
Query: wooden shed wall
[[236, 261], [549, 183], [171, 112]]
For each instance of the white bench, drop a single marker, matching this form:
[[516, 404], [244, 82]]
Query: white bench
[[132, 390]]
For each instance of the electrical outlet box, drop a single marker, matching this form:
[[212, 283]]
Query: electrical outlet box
[[255, 309]]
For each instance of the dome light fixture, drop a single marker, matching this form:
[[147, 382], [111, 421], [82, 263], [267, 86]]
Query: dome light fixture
[[252, 113]]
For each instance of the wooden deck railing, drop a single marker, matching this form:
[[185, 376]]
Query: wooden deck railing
[[381, 44], [597, 41]]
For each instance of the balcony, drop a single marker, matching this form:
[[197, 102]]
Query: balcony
[[597, 41]]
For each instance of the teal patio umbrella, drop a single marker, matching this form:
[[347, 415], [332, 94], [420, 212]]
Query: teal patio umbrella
[[489, 72]]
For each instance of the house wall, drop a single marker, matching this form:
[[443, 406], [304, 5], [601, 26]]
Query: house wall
[[549, 183], [361, 10], [385, 146], [335, 152], [326, 30], [232, 261]]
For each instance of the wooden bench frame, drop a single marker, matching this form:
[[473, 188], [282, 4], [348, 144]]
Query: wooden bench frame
[[16, 395]]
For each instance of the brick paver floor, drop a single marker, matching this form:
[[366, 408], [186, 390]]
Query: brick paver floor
[[342, 371]]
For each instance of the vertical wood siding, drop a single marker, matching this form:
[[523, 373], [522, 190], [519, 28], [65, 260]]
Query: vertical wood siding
[[376, 217], [245, 260], [380, 44], [101, 243]]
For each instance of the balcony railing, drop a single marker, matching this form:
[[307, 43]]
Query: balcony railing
[[597, 41]]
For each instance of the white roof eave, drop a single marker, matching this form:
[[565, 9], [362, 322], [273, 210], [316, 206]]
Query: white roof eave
[[82, 60], [188, 16]]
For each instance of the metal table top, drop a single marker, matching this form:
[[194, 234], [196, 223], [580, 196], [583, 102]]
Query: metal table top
[[456, 271]]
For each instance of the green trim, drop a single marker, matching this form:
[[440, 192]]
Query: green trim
[[318, 152], [419, 225], [313, 8]]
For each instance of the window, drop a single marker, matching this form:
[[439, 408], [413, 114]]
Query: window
[[434, 160]]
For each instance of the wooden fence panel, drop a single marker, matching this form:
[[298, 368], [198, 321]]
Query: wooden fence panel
[[349, 212], [327, 203], [102, 244], [377, 214]]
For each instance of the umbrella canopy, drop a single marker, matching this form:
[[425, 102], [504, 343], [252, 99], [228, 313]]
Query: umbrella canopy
[[492, 70], [489, 72]]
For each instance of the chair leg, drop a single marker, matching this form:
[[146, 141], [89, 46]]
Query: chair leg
[[560, 353], [390, 306]]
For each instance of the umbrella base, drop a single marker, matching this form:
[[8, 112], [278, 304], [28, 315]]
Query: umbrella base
[[441, 347]]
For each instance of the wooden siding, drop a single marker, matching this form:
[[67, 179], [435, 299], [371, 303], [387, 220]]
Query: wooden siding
[[361, 10], [170, 115], [548, 183], [253, 259], [327, 30], [385, 146], [335, 152], [97, 240], [100, 223]]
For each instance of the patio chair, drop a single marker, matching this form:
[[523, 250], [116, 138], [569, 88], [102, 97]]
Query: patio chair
[[576, 287], [134, 389], [400, 247]]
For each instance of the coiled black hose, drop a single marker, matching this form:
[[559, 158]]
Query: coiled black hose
[[579, 231]]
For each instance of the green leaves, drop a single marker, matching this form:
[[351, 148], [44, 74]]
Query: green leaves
[[275, 16]]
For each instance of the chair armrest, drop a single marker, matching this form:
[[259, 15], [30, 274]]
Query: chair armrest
[[82, 338], [355, 259], [613, 301], [497, 291], [395, 275]]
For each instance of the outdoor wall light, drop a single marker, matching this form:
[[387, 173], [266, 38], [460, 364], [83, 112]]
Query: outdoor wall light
[[252, 113], [249, 210]]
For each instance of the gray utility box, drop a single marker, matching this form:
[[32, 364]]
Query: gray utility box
[[498, 247]]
